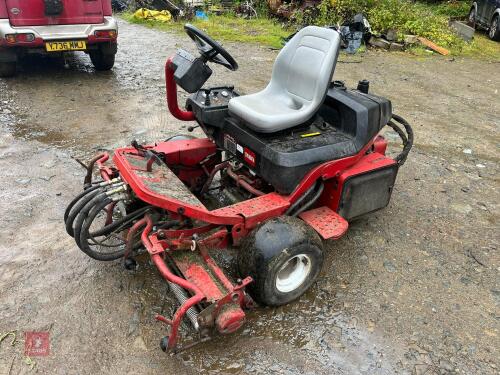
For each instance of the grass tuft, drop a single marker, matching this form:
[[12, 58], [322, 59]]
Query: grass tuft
[[226, 28]]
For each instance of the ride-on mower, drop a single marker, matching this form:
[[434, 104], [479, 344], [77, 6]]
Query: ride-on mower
[[278, 172]]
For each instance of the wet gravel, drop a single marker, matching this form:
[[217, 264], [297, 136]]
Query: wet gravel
[[412, 289]]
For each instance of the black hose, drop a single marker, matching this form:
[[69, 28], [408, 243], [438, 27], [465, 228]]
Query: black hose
[[76, 199], [82, 215], [312, 200], [75, 210], [299, 201], [398, 130], [85, 235], [116, 224], [408, 142]]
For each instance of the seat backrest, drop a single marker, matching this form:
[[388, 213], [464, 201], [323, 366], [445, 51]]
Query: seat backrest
[[304, 67]]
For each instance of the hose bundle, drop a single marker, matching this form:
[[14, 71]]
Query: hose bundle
[[108, 242], [406, 138]]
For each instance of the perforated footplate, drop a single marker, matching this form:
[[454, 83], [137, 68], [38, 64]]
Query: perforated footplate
[[161, 180], [326, 222], [265, 205]]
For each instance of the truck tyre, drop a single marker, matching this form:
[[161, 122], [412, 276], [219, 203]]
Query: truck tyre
[[102, 60], [8, 69], [284, 257], [494, 32]]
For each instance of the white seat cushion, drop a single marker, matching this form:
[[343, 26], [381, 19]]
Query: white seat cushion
[[301, 74]]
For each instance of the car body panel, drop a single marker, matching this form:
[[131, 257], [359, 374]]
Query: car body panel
[[34, 13], [10, 52], [485, 11], [59, 32]]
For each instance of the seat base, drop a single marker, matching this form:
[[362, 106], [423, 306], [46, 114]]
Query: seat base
[[343, 125], [284, 158]]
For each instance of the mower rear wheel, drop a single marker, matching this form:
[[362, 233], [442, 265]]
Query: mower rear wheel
[[284, 257]]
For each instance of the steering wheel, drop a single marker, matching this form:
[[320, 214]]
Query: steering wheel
[[209, 49]]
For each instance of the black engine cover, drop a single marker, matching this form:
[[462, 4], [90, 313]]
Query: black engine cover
[[345, 123]]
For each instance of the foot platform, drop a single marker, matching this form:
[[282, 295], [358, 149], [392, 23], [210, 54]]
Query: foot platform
[[326, 222]]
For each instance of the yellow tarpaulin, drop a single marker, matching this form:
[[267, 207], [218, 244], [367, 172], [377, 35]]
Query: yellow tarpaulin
[[157, 15]]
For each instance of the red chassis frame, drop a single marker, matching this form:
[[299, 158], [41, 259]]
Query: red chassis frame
[[227, 225]]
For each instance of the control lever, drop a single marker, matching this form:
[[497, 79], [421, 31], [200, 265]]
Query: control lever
[[207, 97]]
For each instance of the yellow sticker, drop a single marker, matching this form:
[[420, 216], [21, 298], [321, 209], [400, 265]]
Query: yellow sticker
[[310, 134]]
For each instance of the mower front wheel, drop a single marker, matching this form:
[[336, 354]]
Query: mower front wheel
[[284, 257]]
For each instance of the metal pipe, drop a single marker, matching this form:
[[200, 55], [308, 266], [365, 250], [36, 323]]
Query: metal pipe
[[182, 297], [171, 89], [90, 166], [211, 176], [130, 237], [169, 276], [160, 264], [243, 183]]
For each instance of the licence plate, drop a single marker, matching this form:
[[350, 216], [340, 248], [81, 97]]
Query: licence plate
[[78, 45]]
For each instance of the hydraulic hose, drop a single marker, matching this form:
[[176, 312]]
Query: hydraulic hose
[[77, 208], [407, 139], [84, 212], [76, 199], [313, 200], [85, 236], [299, 201], [81, 199], [118, 223]]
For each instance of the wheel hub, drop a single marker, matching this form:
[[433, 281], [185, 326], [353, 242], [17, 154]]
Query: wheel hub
[[293, 273]]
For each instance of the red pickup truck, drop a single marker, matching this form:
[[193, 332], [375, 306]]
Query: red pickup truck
[[57, 26]]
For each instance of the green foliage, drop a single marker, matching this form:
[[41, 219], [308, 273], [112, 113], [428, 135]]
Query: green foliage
[[413, 18], [227, 28], [452, 8], [404, 16]]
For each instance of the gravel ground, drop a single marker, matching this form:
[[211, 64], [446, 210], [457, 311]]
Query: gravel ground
[[412, 289]]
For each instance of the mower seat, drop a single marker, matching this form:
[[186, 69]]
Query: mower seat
[[301, 75]]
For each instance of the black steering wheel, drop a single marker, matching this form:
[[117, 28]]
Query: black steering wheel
[[209, 49]]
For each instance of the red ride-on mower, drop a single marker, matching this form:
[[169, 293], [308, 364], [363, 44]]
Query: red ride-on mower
[[279, 171]]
